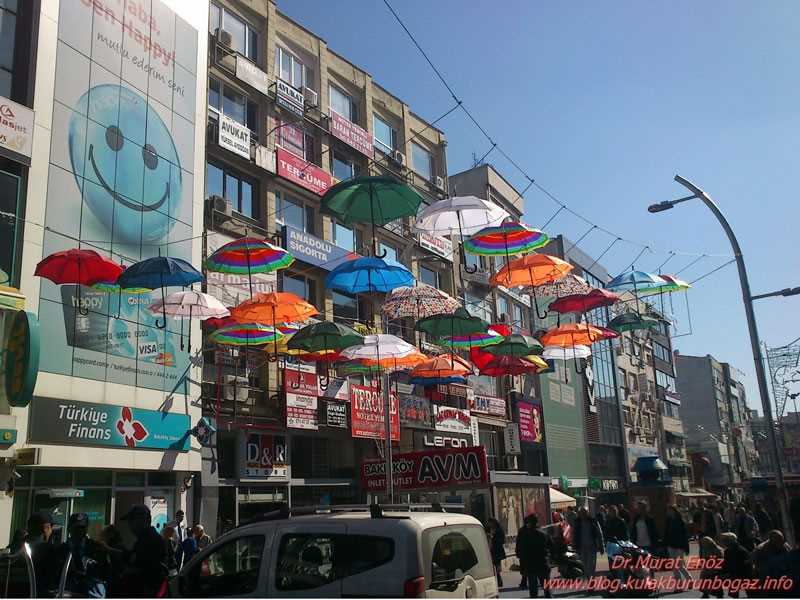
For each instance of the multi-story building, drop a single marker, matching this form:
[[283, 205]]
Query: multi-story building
[[741, 441]]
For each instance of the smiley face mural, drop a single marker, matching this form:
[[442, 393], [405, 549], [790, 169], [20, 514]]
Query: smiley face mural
[[136, 184]]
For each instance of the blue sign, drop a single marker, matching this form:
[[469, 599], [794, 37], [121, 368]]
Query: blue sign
[[315, 251], [88, 424]]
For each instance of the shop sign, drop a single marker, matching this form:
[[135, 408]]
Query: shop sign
[[338, 389], [301, 398], [8, 437], [673, 397], [21, 354], [288, 97], [230, 288], [440, 468], [315, 251], [416, 411], [265, 456], [447, 418], [609, 485], [437, 245], [16, 128], [475, 430], [352, 135], [54, 421], [530, 423], [511, 439], [452, 389], [336, 414], [234, 136], [62, 493], [367, 413], [302, 173], [300, 381], [424, 440], [490, 405], [249, 73]]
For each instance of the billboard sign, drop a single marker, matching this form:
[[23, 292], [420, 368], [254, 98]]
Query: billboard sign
[[352, 135], [368, 413], [488, 405], [16, 128], [447, 418], [234, 136], [416, 412], [302, 173], [315, 251], [530, 423]]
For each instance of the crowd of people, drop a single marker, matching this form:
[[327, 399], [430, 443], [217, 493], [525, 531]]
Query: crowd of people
[[105, 567]]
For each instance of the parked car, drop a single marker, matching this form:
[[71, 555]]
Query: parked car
[[354, 553]]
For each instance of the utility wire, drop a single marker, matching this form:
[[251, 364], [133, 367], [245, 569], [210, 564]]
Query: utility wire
[[694, 262], [722, 266]]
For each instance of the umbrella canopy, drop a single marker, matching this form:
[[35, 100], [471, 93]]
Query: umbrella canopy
[[475, 340], [397, 363], [75, 266], [272, 308], [631, 321], [566, 286], [159, 272], [189, 304], [459, 215], [460, 322], [559, 353], [324, 336], [506, 239], [368, 275], [538, 361], [248, 255], [579, 303], [672, 284], [437, 380], [377, 200], [245, 334], [111, 287], [379, 346], [515, 344], [449, 365], [635, 281], [576, 334], [417, 302], [508, 365], [531, 270]]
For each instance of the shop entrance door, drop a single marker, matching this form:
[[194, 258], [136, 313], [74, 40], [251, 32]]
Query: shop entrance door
[[122, 504]]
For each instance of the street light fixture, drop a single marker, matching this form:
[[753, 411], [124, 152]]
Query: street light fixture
[[747, 297]]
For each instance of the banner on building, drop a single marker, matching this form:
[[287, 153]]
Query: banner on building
[[335, 414], [429, 470], [300, 381], [425, 440], [367, 413], [301, 411], [511, 439], [234, 136], [315, 251], [302, 173], [416, 412], [447, 418], [252, 75], [265, 456], [488, 405], [16, 128], [351, 134], [530, 423]]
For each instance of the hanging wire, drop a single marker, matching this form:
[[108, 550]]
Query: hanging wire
[[638, 256], [580, 239], [550, 220], [722, 266], [602, 254], [695, 261]]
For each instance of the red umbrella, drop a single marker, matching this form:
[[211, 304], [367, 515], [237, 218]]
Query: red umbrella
[[579, 303], [78, 267], [508, 365]]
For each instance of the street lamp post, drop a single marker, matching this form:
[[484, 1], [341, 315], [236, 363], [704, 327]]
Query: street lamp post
[[747, 297]]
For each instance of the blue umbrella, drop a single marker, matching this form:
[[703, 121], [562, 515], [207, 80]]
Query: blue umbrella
[[159, 272], [436, 380], [368, 275], [635, 280]]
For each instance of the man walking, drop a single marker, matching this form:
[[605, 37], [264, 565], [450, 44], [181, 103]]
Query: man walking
[[147, 570], [180, 529], [588, 539], [533, 551], [643, 529]]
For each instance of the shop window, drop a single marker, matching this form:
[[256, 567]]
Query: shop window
[[230, 570], [244, 38], [345, 308], [228, 184], [292, 70], [97, 505], [226, 100], [24, 480], [343, 104], [130, 479], [429, 276], [456, 551], [93, 477], [385, 135], [344, 236], [10, 204], [293, 212], [422, 161], [52, 477]]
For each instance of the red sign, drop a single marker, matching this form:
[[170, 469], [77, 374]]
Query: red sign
[[441, 468], [301, 172], [530, 423], [352, 135], [299, 382], [367, 413]]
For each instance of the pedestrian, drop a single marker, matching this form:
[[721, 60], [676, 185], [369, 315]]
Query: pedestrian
[[745, 528], [41, 541], [624, 514], [763, 519], [571, 516], [676, 539], [710, 552], [168, 535], [521, 534], [186, 550], [643, 528], [767, 552], [736, 564], [89, 561], [146, 571], [533, 551], [180, 529], [497, 546], [200, 535], [588, 540], [709, 527], [601, 516], [111, 540]]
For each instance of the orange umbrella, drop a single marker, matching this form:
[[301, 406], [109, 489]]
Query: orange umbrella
[[576, 334], [531, 269], [273, 308], [449, 365], [396, 363]]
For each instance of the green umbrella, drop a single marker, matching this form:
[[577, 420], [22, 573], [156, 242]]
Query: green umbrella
[[458, 323], [516, 344], [324, 336], [631, 321], [375, 200]]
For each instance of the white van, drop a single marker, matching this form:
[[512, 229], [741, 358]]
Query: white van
[[390, 554]]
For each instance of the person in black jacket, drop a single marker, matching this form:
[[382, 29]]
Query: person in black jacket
[[587, 537], [146, 573], [643, 528], [497, 546], [533, 551], [736, 563], [763, 519], [676, 539]]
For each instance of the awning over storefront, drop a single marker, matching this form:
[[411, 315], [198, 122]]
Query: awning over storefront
[[696, 493], [560, 499]]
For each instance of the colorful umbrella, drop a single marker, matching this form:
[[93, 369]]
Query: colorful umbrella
[[459, 323], [245, 334], [442, 366], [672, 284], [417, 302], [635, 281], [474, 340], [78, 267], [375, 200], [631, 321], [368, 275], [247, 256], [568, 285], [507, 239], [324, 336], [530, 271], [273, 308], [397, 363], [580, 303], [508, 365], [515, 344], [576, 334]]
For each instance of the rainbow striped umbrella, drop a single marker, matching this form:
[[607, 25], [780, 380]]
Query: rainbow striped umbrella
[[507, 239], [246, 256], [245, 334]]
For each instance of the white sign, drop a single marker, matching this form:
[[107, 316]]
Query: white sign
[[337, 388], [234, 136], [289, 98], [251, 74], [511, 439], [265, 158], [476, 436], [452, 419], [438, 245], [301, 412], [16, 127]]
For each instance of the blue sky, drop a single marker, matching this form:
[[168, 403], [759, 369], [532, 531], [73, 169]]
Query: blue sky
[[602, 103]]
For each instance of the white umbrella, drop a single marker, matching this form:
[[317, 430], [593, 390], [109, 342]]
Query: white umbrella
[[559, 353], [377, 347], [459, 215], [189, 305]]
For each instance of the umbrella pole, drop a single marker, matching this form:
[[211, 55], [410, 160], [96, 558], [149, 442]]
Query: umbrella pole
[[535, 303], [467, 269], [375, 252], [189, 344], [274, 357], [163, 306], [249, 273]]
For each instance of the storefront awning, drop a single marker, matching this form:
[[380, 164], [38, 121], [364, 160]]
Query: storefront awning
[[560, 499], [696, 493]]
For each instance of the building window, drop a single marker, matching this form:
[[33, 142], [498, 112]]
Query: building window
[[429, 276], [295, 139], [661, 352], [300, 286], [622, 377], [385, 135], [519, 316], [488, 439], [10, 193], [391, 252], [342, 166], [244, 38], [230, 185], [290, 211], [344, 237], [479, 307], [345, 308], [292, 70], [473, 260], [503, 312], [422, 161], [8, 27], [225, 100], [342, 104], [665, 381]]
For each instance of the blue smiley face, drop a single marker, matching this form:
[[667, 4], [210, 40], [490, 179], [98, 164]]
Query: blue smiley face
[[129, 162]]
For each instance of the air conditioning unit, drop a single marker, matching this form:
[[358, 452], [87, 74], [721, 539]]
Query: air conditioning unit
[[439, 183], [310, 97], [224, 37], [398, 158], [220, 205], [236, 388]]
